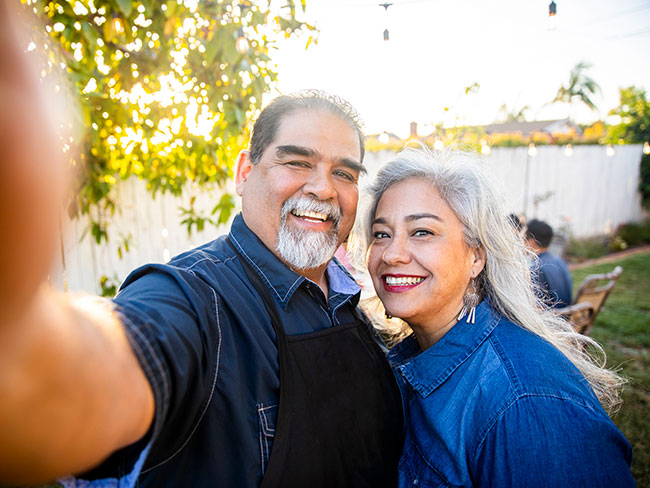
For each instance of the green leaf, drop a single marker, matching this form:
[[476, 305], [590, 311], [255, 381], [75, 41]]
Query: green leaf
[[126, 6]]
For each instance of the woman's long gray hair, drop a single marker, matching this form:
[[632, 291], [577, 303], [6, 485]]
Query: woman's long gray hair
[[471, 193]]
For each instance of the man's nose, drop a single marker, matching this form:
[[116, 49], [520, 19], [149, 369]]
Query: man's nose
[[320, 185]]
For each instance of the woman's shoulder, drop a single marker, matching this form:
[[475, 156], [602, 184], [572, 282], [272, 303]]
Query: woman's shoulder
[[533, 366]]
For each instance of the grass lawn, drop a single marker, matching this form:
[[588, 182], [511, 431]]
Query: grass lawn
[[623, 329]]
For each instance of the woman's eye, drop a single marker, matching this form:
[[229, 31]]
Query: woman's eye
[[423, 232], [379, 235]]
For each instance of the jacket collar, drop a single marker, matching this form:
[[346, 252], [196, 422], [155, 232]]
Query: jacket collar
[[427, 370], [281, 280]]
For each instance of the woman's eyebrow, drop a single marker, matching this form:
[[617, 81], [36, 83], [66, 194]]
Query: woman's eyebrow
[[410, 218]]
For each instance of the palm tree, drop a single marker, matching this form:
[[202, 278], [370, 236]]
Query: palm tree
[[581, 87], [512, 114]]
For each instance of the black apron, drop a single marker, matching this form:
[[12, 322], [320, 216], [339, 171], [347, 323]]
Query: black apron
[[340, 420]]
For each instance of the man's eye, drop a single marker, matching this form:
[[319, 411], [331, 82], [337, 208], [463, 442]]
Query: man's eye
[[298, 164], [345, 175]]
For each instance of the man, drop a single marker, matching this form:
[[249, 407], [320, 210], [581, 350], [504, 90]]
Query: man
[[241, 363], [550, 271]]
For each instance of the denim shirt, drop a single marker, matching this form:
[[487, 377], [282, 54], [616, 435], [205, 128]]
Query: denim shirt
[[491, 404], [206, 344]]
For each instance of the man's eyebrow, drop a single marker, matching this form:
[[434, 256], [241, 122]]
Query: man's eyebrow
[[353, 165], [308, 152], [290, 149]]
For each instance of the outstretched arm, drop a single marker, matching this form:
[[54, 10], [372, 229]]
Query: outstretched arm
[[71, 389]]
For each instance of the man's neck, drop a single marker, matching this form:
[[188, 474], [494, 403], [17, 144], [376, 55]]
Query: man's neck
[[318, 276]]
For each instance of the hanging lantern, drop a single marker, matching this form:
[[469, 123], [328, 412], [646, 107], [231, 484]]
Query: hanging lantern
[[552, 9], [386, 5]]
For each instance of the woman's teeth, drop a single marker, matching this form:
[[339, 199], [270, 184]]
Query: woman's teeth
[[402, 280]]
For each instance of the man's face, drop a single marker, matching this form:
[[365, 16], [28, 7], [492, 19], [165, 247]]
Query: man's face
[[300, 199]]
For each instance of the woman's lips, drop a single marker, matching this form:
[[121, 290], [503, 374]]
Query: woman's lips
[[399, 283]]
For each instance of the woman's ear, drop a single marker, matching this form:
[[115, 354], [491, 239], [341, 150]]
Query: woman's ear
[[478, 263]]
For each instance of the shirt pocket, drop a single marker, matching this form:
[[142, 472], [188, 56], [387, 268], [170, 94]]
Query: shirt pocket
[[267, 415], [415, 471]]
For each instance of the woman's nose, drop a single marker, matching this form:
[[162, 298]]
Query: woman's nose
[[397, 252]]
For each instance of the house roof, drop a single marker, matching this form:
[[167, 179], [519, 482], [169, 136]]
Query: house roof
[[527, 128]]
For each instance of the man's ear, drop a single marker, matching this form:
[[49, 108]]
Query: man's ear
[[479, 260], [243, 169]]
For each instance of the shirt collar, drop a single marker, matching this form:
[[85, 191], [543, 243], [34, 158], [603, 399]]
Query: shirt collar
[[427, 370], [281, 280]]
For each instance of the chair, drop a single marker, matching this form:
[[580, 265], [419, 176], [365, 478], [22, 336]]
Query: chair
[[589, 300]]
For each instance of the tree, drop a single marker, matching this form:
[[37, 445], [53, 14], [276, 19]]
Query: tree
[[580, 87], [165, 89], [512, 114], [634, 114]]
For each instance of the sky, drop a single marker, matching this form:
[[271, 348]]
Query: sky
[[437, 48]]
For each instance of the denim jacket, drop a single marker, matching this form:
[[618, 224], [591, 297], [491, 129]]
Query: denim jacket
[[492, 404]]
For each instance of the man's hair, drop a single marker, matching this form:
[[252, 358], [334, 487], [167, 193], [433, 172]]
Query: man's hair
[[540, 231], [514, 220], [266, 126]]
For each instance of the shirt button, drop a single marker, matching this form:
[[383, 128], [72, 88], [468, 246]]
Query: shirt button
[[416, 481]]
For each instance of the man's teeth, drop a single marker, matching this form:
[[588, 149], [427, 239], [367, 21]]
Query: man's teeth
[[402, 280], [308, 214]]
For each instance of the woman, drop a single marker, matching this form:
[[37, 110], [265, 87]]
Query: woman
[[497, 390]]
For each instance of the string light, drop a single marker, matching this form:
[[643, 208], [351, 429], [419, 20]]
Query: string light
[[241, 44], [552, 9], [568, 150], [646, 148], [386, 5], [532, 150], [610, 150]]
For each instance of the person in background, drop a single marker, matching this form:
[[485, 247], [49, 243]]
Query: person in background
[[498, 390], [241, 363], [517, 222], [550, 272]]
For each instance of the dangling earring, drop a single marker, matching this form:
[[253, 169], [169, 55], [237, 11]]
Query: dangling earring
[[388, 316], [470, 302]]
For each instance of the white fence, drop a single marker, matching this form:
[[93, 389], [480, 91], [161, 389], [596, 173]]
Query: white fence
[[587, 193]]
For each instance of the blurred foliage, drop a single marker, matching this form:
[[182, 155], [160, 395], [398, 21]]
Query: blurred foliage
[[108, 286], [629, 235], [644, 183], [634, 112], [580, 87], [165, 89]]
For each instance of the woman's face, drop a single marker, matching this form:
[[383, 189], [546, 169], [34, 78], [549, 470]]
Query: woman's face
[[418, 259]]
